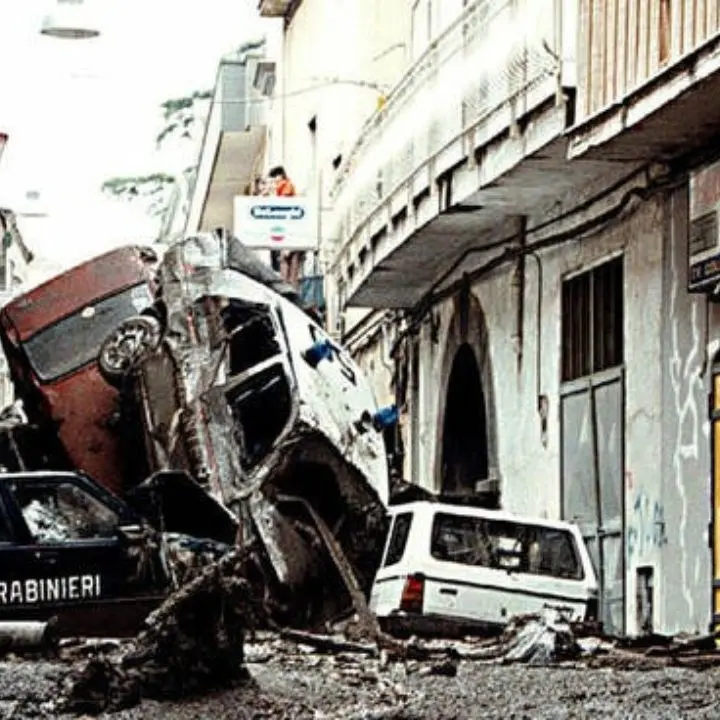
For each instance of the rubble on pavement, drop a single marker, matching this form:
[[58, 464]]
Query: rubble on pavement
[[207, 634], [192, 642]]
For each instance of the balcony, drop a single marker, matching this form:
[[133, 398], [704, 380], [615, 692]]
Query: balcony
[[470, 137], [234, 139], [656, 97]]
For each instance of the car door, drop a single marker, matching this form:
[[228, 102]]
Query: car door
[[71, 558]]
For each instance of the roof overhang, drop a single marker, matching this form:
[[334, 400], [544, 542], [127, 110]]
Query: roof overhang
[[675, 112]]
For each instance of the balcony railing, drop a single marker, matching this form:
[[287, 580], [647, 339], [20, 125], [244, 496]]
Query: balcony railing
[[495, 52]]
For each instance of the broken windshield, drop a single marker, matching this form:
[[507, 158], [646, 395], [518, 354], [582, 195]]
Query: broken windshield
[[75, 341], [505, 545]]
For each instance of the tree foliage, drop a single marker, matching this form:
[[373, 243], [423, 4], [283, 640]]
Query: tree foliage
[[155, 188], [181, 115], [180, 118]]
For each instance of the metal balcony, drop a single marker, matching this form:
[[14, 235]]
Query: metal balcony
[[234, 136], [440, 165]]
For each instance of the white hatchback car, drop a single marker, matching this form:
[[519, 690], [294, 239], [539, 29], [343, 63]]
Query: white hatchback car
[[449, 568]]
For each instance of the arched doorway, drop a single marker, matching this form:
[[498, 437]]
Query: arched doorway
[[465, 435]]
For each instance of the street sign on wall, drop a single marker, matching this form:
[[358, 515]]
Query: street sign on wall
[[276, 223], [703, 240]]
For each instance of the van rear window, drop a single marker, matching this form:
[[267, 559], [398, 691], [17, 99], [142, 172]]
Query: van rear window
[[398, 538], [505, 545]]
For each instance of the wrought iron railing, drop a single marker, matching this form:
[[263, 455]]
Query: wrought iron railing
[[496, 50]]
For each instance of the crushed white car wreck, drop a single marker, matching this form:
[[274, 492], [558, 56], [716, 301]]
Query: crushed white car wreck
[[230, 382]]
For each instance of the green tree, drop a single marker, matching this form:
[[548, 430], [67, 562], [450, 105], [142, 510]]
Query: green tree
[[183, 119]]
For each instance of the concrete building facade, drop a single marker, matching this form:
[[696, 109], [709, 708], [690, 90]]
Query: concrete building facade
[[526, 266]]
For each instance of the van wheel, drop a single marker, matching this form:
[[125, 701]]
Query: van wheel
[[132, 340]]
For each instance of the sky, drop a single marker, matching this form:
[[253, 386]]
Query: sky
[[79, 112]]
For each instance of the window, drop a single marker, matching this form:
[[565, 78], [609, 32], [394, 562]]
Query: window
[[61, 511], [505, 545], [71, 343], [398, 538], [260, 408], [592, 321], [251, 335], [665, 31]]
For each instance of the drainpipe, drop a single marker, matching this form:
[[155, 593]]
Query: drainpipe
[[517, 284]]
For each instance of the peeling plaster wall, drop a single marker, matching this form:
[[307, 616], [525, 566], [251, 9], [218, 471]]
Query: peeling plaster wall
[[666, 484], [529, 470], [683, 509], [643, 401]]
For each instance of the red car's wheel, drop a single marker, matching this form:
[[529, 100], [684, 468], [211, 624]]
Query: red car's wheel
[[127, 345]]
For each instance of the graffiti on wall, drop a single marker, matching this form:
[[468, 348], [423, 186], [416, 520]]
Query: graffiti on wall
[[646, 527], [687, 349]]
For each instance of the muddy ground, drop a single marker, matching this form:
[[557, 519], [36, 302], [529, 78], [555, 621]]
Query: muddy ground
[[296, 682]]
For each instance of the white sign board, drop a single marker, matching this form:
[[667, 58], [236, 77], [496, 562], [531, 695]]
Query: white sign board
[[276, 223]]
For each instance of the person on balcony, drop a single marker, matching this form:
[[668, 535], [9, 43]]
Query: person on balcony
[[290, 262]]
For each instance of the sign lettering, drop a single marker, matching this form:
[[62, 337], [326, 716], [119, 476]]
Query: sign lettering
[[277, 212], [41, 590]]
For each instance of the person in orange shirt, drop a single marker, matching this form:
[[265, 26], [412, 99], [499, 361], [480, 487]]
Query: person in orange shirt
[[283, 184], [290, 262]]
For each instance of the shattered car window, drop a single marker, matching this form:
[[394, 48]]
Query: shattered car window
[[57, 512], [251, 334], [5, 533], [505, 545], [260, 408], [75, 341]]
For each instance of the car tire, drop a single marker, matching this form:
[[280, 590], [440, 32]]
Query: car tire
[[132, 340]]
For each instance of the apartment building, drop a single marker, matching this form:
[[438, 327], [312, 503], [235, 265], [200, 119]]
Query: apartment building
[[517, 217]]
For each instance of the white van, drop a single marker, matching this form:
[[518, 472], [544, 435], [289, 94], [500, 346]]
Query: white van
[[451, 567]]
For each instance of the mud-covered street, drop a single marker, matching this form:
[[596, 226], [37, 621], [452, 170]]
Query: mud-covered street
[[300, 683]]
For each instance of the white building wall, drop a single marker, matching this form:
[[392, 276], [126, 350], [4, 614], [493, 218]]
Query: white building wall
[[666, 479], [15, 276], [338, 59]]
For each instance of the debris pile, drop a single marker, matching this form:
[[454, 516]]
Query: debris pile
[[211, 634], [192, 642]]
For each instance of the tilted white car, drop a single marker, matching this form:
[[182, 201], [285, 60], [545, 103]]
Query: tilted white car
[[233, 383]]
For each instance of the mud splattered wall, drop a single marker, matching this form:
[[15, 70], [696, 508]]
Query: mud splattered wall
[[677, 522]]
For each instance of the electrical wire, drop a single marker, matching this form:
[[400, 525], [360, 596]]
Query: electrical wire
[[420, 311]]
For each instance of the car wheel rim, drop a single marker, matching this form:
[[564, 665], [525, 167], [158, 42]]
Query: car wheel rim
[[127, 345]]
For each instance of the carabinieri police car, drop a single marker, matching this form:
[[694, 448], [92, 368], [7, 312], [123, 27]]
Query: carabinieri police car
[[71, 550]]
